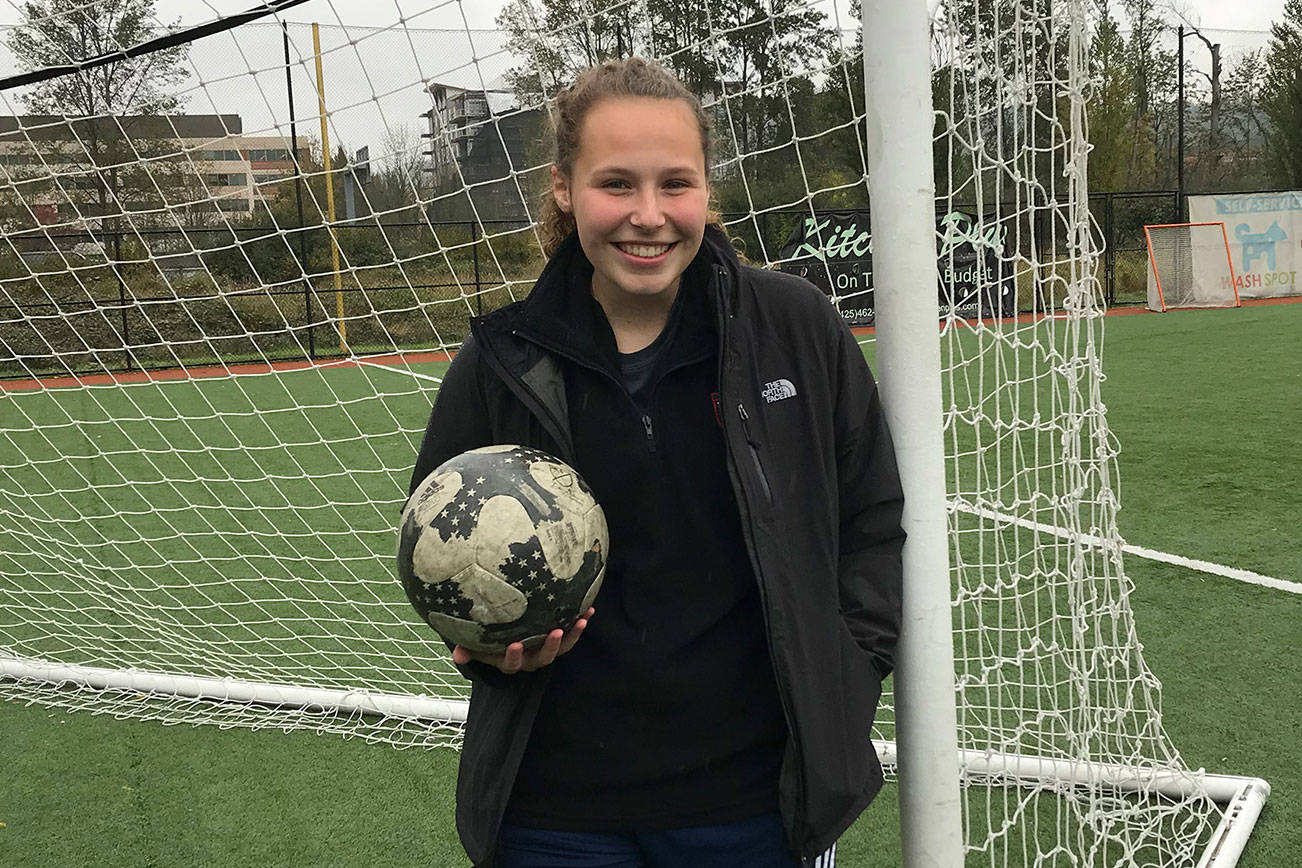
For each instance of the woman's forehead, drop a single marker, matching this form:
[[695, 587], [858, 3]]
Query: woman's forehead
[[617, 130]]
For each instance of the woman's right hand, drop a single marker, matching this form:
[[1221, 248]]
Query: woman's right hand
[[515, 659]]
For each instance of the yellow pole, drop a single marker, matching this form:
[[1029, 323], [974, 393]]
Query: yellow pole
[[330, 191]]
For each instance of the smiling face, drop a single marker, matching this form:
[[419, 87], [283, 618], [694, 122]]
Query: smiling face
[[639, 196]]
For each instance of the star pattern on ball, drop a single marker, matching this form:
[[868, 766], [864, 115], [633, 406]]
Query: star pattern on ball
[[456, 532], [460, 516], [526, 569], [444, 597]]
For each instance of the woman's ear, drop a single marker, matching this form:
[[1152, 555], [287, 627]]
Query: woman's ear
[[561, 189]]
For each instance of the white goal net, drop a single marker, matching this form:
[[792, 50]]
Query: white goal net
[[1190, 265], [220, 337]]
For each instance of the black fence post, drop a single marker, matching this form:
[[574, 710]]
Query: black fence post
[[474, 254], [1109, 251], [298, 194], [122, 295]]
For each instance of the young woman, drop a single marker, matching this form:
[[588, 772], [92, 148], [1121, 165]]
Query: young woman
[[714, 709]]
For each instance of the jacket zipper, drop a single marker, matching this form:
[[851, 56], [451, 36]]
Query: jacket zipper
[[650, 434], [648, 426], [748, 525], [754, 452]]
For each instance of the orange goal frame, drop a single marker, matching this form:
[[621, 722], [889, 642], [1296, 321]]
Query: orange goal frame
[[1157, 278]]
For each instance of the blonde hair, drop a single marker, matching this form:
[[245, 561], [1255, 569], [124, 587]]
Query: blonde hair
[[633, 77]]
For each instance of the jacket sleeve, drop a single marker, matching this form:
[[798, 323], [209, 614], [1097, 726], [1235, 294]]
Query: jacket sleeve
[[459, 421], [871, 502]]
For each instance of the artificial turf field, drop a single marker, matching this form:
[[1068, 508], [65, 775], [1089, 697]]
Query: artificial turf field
[[1206, 406]]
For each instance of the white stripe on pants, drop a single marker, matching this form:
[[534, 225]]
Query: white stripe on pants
[[827, 860]]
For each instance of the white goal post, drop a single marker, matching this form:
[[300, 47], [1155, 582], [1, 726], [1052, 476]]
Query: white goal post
[[1190, 265], [223, 321]]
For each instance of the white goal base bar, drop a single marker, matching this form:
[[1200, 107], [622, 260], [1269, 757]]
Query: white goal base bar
[[163, 684], [1243, 797]]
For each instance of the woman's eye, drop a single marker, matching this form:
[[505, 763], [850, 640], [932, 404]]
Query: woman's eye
[[614, 184]]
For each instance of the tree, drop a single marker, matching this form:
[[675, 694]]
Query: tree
[[1282, 96], [753, 63], [1117, 138], [398, 176], [112, 110], [1239, 158], [1154, 72], [54, 32], [568, 36]]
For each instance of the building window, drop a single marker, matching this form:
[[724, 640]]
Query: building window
[[220, 155], [269, 155], [229, 179]]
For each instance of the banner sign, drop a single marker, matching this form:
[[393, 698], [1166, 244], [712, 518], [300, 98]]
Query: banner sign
[[833, 251], [1265, 234], [976, 280]]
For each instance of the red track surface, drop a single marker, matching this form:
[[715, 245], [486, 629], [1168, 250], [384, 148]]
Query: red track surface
[[209, 371]]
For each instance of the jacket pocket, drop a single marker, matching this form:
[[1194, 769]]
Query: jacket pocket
[[753, 448]]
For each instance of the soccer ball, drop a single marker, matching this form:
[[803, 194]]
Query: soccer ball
[[501, 544]]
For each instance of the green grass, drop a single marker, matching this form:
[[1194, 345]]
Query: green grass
[[1204, 404]]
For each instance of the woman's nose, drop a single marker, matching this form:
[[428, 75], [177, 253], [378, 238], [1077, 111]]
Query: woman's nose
[[647, 210]]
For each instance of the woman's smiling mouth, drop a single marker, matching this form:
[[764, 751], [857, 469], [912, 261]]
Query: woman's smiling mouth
[[644, 251]]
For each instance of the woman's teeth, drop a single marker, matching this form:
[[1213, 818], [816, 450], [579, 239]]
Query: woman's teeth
[[645, 251]]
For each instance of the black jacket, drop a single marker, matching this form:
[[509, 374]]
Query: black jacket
[[813, 473]]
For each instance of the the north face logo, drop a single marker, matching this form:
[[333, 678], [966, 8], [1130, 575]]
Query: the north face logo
[[778, 390]]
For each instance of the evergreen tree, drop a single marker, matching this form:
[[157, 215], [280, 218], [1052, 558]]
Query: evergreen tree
[[1121, 146], [1282, 96], [1155, 73]]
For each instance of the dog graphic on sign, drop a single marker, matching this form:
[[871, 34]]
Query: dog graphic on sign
[[1259, 244]]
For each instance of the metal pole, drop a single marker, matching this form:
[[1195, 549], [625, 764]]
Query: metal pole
[[1110, 248], [897, 89], [330, 190], [298, 192], [122, 293], [1179, 157], [474, 253]]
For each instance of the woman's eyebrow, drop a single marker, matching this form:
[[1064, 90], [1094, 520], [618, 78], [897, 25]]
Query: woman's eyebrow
[[618, 169]]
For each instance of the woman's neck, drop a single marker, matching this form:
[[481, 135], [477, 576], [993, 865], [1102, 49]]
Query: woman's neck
[[636, 320]]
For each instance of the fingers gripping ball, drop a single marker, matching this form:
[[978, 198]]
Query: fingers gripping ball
[[501, 544]]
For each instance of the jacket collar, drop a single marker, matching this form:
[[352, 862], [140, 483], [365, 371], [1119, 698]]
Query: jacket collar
[[561, 313]]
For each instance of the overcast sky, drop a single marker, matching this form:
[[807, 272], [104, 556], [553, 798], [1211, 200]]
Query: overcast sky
[[1213, 14], [242, 71]]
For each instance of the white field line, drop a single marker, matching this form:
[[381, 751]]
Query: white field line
[[1151, 554], [404, 371]]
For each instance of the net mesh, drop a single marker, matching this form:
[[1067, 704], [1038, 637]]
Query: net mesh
[[208, 427]]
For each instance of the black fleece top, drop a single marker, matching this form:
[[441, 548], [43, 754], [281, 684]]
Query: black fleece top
[[666, 713]]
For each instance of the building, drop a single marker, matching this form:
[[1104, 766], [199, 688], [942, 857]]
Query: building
[[66, 170], [478, 138]]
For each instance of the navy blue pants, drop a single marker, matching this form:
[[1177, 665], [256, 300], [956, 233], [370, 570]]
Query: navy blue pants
[[758, 842]]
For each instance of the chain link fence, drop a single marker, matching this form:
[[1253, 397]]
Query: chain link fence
[[119, 300]]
